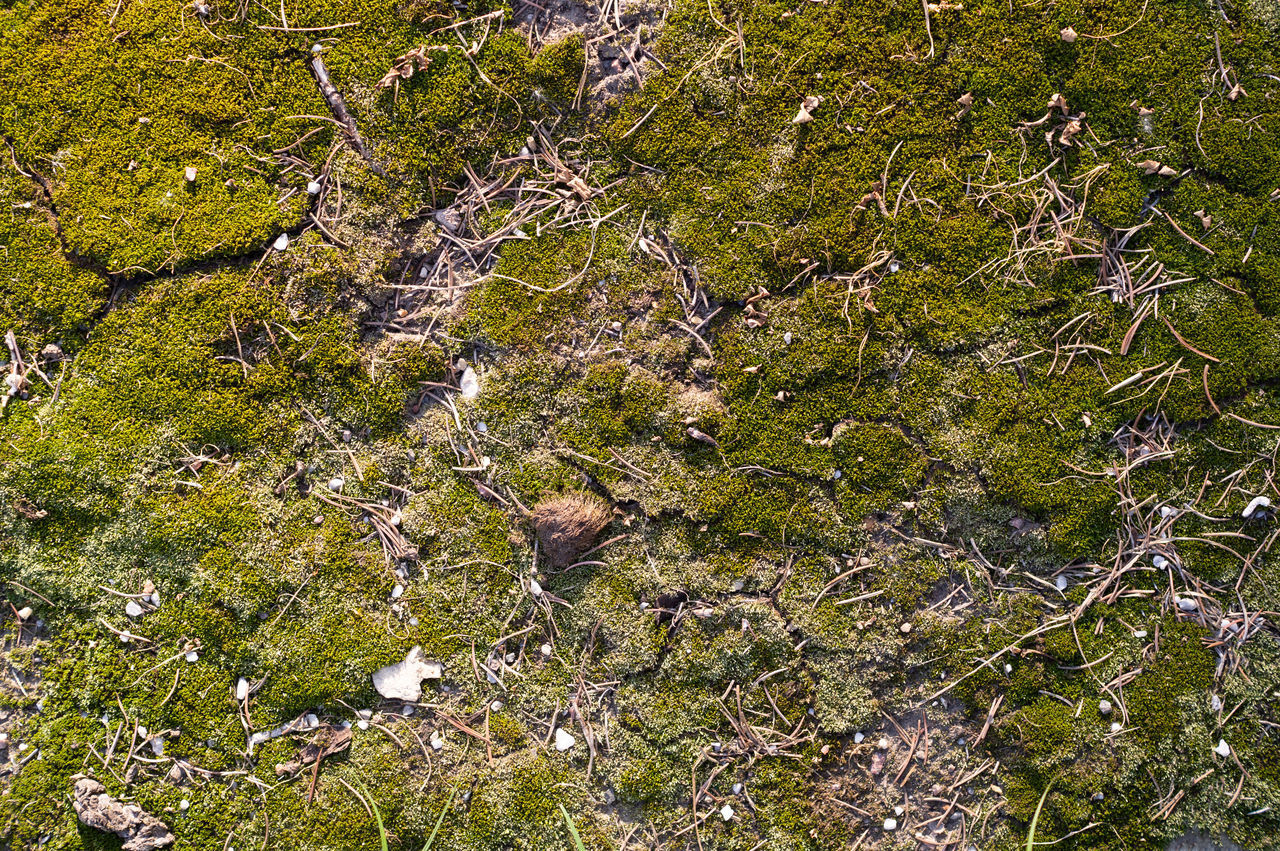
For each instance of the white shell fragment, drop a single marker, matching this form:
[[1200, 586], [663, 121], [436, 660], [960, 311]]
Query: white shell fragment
[[564, 739], [281, 243], [403, 680], [1222, 748], [469, 384], [1258, 502]]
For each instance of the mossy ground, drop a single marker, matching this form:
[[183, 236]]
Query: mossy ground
[[853, 388]]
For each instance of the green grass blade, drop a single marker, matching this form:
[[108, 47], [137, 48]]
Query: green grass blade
[[573, 831], [444, 811], [1035, 817], [377, 816]]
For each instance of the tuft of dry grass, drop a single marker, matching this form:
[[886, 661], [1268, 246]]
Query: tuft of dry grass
[[568, 525]]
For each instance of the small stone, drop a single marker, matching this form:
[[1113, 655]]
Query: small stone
[[362, 724], [184, 805], [281, 243], [534, 588], [1186, 604], [496, 706], [737, 788], [546, 650], [883, 744], [786, 338], [242, 688], [858, 738], [313, 187], [1068, 35], [190, 173], [1222, 749], [336, 483], [891, 824], [1160, 562], [1115, 726], [1215, 703], [437, 741], [564, 739], [1140, 633], [469, 384], [1104, 707], [397, 592], [1060, 583], [905, 628], [1008, 669], [133, 610], [726, 812], [25, 613]]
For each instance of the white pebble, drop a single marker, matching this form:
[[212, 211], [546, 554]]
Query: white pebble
[[362, 724], [737, 788], [534, 588], [313, 187], [905, 628], [564, 739], [786, 338], [469, 384], [281, 243], [1186, 604], [132, 609], [190, 173], [857, 738], [1223, 749], [242, 688], [1215, 703], [1160, 562], [1167, 511], [883, 744], [336, 483], [1139, 633], [496, 706], [726, 812], [1104, 707], [1115, 726], [397, 592], [891, 824], [1060, 583], [437, 741], [546, 650], [184, 805]]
